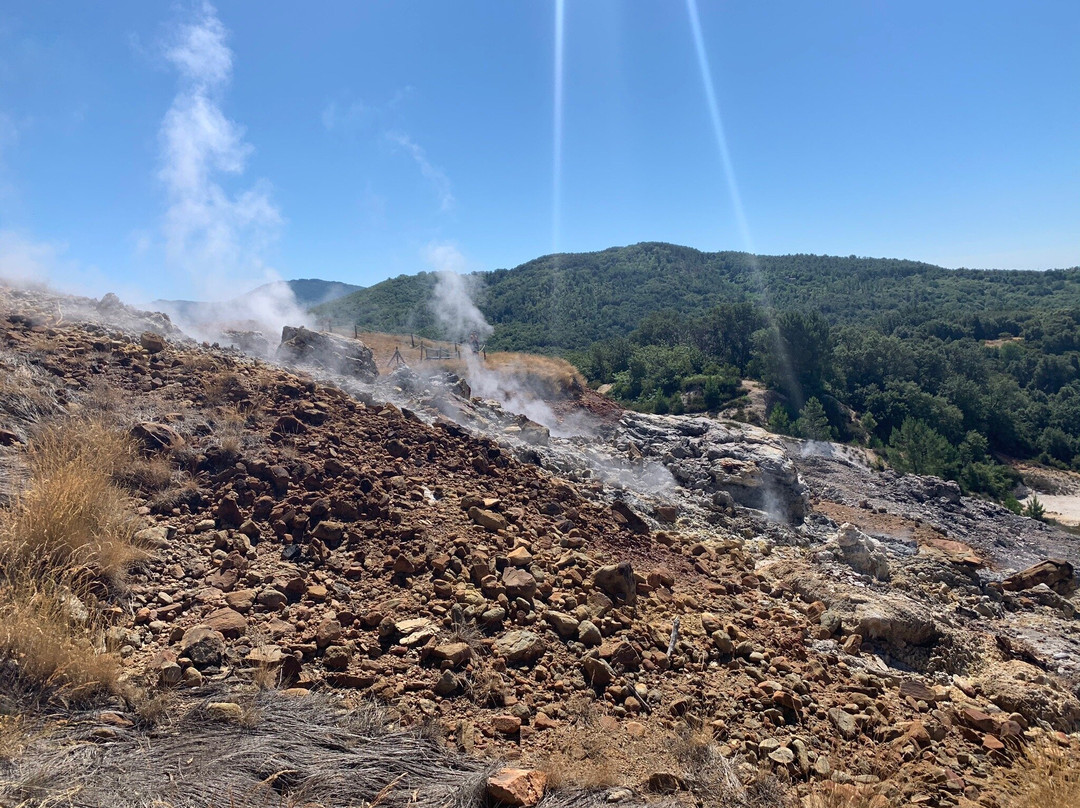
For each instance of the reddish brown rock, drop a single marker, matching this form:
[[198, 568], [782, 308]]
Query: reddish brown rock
[[1052, 571], [229, 622], [521, 788], [506, 724], [917, 690]]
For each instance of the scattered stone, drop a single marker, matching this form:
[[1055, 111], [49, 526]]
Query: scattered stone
[[520, 647], [224, 711], [521, 788], [203, 646], [617, 580], [488, 519], [153, 343]]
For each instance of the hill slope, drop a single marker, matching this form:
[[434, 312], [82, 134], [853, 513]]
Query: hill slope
[[568, 301]]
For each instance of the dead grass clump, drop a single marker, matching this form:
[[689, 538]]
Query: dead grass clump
[[151, 707], [68, 533], [85, 441], [485, 685], [839, 795], [148, 475], [50, 642], [710, 775], [1048, 777], [224, 386], [14, 736], [185, 493], [25, 396], [72, 519], [296, 751]]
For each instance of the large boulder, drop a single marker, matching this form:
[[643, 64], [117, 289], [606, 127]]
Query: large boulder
[[731, 463], [1017, 687], [349, 357], [861, 552], [1054, 572]]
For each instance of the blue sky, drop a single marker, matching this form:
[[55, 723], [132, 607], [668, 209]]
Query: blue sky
[[193, 150]]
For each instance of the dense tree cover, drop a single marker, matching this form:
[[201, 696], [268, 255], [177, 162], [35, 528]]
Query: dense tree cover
[[570, 301], [945, 371]]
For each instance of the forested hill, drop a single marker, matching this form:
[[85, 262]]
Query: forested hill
[[569, 301]]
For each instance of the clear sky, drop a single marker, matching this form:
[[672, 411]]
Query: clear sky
[[163, 149]]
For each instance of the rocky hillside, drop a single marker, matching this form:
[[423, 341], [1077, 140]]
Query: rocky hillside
[[649, 608]]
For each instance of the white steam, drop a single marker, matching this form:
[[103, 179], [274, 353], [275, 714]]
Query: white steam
[[452, 299], [454, 307], [218, 237], [25, 262], [440, 183]]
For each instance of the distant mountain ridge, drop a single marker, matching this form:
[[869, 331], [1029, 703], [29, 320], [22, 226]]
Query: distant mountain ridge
[[307, 292], [569, 301]]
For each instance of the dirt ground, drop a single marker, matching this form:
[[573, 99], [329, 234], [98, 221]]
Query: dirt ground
[[1058, 491]]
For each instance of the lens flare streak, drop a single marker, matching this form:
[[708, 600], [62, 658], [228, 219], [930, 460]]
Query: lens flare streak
[[718, 124], [557, 134]]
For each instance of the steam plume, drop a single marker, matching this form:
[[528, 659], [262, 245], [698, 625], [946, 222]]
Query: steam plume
[[219, 238]]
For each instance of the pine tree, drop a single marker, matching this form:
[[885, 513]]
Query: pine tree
[[813, 424], [779, 422], [1034, 509]]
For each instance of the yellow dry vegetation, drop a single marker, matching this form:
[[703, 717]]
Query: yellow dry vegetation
[[838, 795], [55, 640], [1048, 777], [547, 376], [73, 518], [67, 537]]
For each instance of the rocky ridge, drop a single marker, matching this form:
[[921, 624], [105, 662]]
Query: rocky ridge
[[526, 594]]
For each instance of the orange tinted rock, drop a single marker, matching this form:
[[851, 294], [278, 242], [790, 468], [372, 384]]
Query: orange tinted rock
[[517, 787]]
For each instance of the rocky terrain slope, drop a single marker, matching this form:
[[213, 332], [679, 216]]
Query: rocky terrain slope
[[653, 605]]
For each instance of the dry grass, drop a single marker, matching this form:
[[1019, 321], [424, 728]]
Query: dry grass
[[292, 752], [555, 376], [26, 394], [149, 475], [51, 641], [72, 518], [1048, 777], [836, 795], [67, 535], [15, 736], [224, 387], [546, 376]]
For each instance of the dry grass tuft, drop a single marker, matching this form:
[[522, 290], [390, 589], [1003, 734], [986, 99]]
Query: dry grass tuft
[[148, 475], [1049, 777], [68, 534], [837, 795], [25, 396], [15, 736], [72, 519], [51, 643]]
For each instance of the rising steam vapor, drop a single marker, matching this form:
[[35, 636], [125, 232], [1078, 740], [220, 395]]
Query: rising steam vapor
[[23, 261], [454, 307], [432, 173], [217, 237], [452, 299]]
